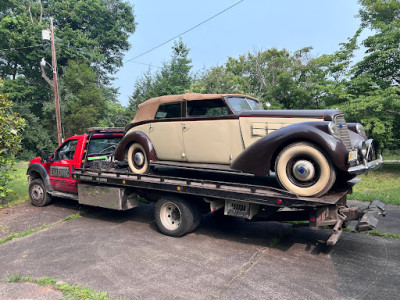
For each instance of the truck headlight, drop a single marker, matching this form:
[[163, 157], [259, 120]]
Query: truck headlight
[[361, 131]]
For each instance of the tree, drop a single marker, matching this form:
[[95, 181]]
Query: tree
[[29, 101], [382, 48], [94, 31], [173, 78], [83, 102], [10, 136], [373, 91], [283, 79]]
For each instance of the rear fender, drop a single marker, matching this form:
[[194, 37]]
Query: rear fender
[[260, 157], [135, 137]]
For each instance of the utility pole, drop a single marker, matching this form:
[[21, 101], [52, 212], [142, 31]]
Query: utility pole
[[55, 83]]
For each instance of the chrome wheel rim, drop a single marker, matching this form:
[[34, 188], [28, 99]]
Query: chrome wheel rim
[[170, 216], [37, 192]]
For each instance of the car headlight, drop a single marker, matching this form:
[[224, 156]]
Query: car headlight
[[333, 130], [361, 131], [362, 148]]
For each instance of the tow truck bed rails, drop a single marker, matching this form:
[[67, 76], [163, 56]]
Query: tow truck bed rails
[[257, 194]]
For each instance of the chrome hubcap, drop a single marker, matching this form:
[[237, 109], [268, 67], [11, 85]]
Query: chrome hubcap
[[303, 170], [139, 158]]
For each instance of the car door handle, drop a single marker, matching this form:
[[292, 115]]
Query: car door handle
[[185, 128]]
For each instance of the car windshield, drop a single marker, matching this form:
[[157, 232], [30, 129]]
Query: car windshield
[[240, 104]]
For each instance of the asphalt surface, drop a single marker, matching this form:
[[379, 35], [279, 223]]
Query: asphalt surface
[[226, 258]]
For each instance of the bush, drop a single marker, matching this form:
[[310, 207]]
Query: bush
[[11, 126]]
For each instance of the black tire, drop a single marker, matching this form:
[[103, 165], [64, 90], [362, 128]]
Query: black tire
[[196, 218], [38, 193], [304, 169], [175, 216], [137, 159]]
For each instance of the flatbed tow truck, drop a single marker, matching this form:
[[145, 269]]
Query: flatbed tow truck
[[181, 196]]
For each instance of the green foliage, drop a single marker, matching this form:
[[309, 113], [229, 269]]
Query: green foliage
[[383, 185], [94, 31], [373, 92], [278, 77], [83, 103], [19, 184], [173, 78], [30, 100], [11, 125]]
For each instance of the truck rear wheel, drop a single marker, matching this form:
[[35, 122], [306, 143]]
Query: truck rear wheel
[[305, 170], [175, 216], [38, 193]]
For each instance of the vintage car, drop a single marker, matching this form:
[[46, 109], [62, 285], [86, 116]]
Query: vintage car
[[307, 149]]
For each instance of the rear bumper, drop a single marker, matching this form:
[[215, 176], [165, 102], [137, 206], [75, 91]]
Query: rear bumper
[[368, 221], [360, 169], [357, 219]]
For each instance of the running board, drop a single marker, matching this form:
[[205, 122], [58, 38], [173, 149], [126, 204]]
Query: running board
[[63, 195]]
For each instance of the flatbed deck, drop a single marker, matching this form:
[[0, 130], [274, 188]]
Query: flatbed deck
[[236, 187]]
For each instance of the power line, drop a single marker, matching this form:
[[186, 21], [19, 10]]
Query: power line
[[186, 31]]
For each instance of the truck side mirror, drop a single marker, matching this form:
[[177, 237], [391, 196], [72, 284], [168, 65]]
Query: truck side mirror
[[46, 156]]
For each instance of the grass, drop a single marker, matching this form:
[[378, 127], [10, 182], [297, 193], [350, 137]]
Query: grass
[[19, 184], [69, 291], [387, 235], [383, 185], [15, 235], [391, 155]]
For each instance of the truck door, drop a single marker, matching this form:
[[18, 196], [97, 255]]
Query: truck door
[[60, 168]]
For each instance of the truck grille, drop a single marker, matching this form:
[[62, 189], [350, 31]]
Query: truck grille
[[343, 131]]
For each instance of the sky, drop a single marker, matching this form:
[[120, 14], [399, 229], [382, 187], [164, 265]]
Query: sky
[[249, 26]]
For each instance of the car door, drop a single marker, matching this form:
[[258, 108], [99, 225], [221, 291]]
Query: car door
[[207, 132], [165, 132], [60, 168]]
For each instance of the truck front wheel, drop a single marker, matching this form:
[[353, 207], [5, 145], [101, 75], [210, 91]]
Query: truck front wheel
[[38, 193], [175, 216]]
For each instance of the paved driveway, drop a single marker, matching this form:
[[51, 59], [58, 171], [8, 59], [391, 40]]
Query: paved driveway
[[227, 258]]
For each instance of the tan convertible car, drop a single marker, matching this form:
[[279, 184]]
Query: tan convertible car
[[307, 149]]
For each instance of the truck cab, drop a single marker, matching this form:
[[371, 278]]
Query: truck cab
[[50, 173]]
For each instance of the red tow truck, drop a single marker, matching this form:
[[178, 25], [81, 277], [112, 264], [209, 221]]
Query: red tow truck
[[83, 169]]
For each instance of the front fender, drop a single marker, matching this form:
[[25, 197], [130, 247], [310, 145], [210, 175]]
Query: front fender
[[39, 169], [257, 158], [135, 137]]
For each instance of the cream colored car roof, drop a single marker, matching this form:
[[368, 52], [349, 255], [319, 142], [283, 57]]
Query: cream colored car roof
[[147, 110]]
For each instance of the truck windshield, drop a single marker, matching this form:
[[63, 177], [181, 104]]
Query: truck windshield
[[241, 103], [104, 145]]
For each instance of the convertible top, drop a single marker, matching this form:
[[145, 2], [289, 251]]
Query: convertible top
[[147, 110]]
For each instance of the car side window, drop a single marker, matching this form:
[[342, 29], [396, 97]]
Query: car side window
[[200, 108], [169, 110], [67, 150]]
